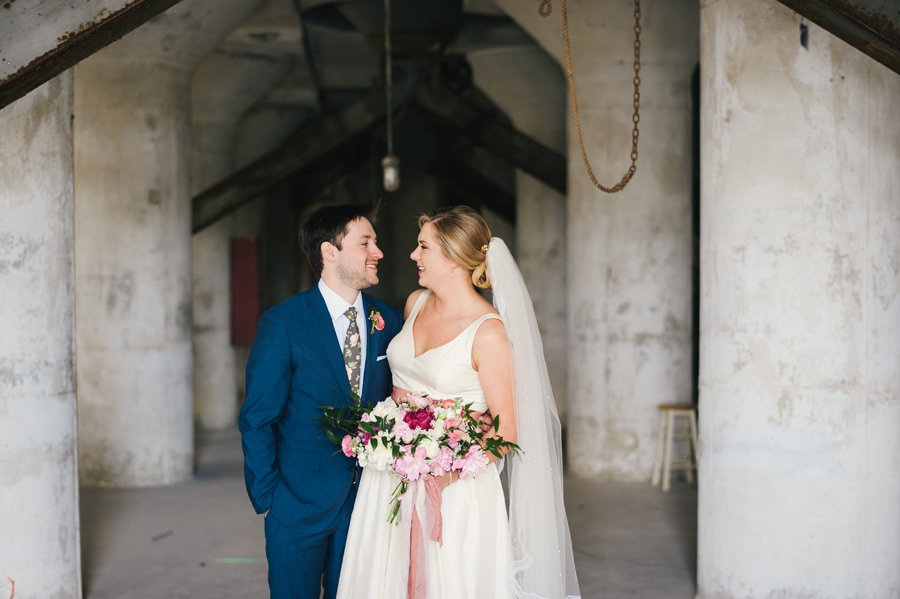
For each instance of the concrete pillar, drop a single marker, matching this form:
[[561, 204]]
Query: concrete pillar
[[530, 87], [628, 254], [224, 87], [40, 550], [132, 136], [800, 311]]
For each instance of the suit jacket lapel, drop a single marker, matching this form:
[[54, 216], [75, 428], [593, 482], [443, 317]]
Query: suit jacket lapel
[[371, 349], [331, 347]]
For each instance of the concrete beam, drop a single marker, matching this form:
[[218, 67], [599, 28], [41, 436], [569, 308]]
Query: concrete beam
[[870, 26], [40, 40], [504, 141], [299, 151]]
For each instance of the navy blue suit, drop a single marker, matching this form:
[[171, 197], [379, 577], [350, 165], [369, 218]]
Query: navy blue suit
[[290, 467]]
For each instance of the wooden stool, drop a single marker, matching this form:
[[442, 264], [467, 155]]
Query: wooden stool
[[663, 463]]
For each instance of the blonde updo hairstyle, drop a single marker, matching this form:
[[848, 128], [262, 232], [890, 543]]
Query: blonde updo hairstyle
[[463, 236]]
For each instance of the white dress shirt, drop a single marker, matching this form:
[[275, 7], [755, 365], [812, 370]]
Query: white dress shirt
[[337, 306]]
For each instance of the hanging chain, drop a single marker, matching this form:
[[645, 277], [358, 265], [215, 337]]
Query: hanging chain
[[544, 10]]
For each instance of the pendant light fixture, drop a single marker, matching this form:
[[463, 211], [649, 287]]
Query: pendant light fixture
[[390, 164]]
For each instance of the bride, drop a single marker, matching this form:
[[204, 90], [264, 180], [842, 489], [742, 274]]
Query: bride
[[455, 344]]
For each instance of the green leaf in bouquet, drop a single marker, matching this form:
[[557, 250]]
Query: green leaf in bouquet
[[367, 426], [395, 451], [374, 442], [332, 437], [497, 422]]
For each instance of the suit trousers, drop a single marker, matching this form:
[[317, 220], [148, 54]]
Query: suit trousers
[[302, 564]]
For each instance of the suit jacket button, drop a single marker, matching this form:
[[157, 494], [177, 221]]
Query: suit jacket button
[[351, 468]]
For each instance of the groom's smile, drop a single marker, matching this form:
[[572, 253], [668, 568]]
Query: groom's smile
[[359, 255]]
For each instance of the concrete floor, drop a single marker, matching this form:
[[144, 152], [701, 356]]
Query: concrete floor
[[201, 539]]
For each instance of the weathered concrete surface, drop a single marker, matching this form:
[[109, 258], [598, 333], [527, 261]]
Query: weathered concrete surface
[[530, 87], [800, 312], [40, 548], [628, 254], [132, 151], [40, 40], [223, 88]]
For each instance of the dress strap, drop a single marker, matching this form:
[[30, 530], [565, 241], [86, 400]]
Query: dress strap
[[418, 305], [473, 329]]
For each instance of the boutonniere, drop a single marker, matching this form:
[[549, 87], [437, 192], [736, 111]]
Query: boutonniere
[[376, 320]]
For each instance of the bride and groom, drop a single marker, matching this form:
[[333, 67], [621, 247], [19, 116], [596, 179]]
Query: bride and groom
[[325, 518]]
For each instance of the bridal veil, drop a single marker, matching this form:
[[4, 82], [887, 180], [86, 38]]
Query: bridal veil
[[543, 564]]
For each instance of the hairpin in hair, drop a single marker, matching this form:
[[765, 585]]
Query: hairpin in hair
[[484, 249]]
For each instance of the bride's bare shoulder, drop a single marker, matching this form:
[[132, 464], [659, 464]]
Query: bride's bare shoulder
[[411, 302]]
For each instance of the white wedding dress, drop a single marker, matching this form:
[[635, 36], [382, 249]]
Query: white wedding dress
[[475, 560]]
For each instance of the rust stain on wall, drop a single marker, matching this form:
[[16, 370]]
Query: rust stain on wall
[[75, 46]]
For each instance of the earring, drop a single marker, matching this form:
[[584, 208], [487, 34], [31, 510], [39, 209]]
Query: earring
[[453, 272]]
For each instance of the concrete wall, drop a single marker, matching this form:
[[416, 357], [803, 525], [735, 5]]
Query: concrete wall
[[40, 548], [223, 88], [530, 87], [628, 255], [800, 312], [132, 142]]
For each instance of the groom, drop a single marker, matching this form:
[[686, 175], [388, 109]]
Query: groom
[[310, 351]]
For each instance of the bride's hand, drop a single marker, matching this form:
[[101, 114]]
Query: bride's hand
[[487, 421], [444, 481]]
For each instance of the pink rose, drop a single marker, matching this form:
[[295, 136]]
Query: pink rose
[[448, 403], [452, 422], [455, 435], [347, 446], [418, 400]]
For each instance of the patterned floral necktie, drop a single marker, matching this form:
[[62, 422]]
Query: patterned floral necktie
[[352, 350]]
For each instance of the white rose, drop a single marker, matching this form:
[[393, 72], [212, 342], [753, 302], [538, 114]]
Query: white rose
[[381, 457], [431, 447], [384, 408]]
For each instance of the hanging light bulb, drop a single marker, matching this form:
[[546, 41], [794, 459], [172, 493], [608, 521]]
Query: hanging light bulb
[[390, 164]]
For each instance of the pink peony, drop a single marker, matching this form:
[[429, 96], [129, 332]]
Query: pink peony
[[403, 432], [347, 446], [411, 465], [475, 461], [442, 462], [379, 322], [420, 419]]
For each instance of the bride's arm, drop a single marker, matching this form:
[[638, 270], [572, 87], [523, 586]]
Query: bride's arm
[[490, 357]]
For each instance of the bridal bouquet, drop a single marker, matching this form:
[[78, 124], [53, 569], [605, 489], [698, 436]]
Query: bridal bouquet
[[412, 437]]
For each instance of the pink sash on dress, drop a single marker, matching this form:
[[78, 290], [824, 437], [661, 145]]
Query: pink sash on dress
[[417, 585]]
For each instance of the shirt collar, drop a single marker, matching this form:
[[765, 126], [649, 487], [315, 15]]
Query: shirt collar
[[337, 305]]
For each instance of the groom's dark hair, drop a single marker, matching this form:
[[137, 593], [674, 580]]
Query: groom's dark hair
[[330, 223]]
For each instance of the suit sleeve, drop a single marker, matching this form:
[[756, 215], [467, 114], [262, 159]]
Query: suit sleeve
[[269, 372]]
